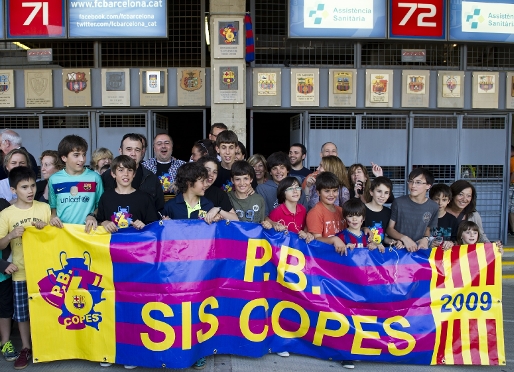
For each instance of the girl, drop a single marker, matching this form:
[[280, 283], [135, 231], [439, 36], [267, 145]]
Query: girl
[[50, 163], [290, 215], [258, 162], [202, 148], [15, 158], [332, 164], [360, 183], [468, 233], [240, 151]]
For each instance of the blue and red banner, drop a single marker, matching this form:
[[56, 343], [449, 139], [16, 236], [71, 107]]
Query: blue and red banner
[[180, 290]]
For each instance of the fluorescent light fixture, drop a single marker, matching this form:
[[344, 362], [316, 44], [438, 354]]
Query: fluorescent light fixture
[[207, 33], [20, 45]]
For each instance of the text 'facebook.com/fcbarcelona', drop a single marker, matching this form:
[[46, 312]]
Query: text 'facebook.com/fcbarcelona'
[[118, 4]]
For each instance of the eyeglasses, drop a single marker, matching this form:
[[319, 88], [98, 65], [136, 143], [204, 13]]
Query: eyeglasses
[[417, 183], [297, 188]]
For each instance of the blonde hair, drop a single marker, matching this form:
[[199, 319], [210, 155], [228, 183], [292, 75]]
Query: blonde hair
[[8, 157], [99, 154], [335, 165], [255, 159]]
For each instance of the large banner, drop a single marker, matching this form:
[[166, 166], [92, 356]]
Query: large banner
[[180, 290]]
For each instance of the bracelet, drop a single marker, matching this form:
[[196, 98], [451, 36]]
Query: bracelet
[[219, 211]]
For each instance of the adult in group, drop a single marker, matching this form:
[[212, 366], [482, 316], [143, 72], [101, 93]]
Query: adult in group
[[99, 158], [297, 154], [463, 206], [144, 180], [50, 163], [14, 158], [328, 148], [10, 141], [164, 166], [260, 166], [216, 129]]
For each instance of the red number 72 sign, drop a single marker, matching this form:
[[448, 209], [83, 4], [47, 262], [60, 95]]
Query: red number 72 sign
[[417, 19], [35, 19]]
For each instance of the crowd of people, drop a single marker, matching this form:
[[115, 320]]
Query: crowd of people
[[342, 207]]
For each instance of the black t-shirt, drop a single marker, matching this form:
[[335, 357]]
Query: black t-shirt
[[224, 180], [377, 222], [218, 198], [304, 172], [447, 227], [124, 208]]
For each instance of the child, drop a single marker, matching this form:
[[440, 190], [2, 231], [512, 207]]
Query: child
[[325, 220], [290, 215], [23, 213], [447, 225], [74, 192], [377, 216], [249, 208], [190, 202], [226, 144], [125, 205], [354, 212], [413, 215], [278, 167], [468, 233]]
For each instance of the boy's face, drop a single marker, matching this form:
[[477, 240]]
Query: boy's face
[[278, 173], [442, 201], [242, 183], [328, 196], [123, 176], [227, 152], [293, 193], [199, 187], [354, 222], [75, 161], [25, 190], [418, 186], [380, 194]]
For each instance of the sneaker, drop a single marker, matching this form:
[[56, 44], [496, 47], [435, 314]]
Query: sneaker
[[200, 363], [283, 354], [105, 364], [23, 359], [129, 367], [348, 364], [9, 352]]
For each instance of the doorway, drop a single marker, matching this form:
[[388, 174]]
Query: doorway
[[271, 132]]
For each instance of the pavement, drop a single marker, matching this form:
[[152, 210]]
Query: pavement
[[299, 363]]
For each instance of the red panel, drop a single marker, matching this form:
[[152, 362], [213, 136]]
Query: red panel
[[417, 18], [35, 18]]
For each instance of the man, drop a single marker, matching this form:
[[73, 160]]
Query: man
[[216, 129], [10, 141], [297, 154], [328, 148], [144, 180], [164, 165]]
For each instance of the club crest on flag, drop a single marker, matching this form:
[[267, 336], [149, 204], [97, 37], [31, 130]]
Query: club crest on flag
[[75, 290], [191, 80], [4, 83], [76, 82], [229, 33]]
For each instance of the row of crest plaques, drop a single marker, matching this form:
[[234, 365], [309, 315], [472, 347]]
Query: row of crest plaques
[[76, 87], [343, 88]]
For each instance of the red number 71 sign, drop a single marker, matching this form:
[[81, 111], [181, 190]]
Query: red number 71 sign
[[35, 19], [422, 19]]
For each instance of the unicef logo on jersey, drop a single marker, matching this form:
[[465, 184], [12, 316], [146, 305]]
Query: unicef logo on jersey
[[74, 289]]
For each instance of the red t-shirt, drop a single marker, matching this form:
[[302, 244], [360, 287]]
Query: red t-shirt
[[322, 221], [293, 221]]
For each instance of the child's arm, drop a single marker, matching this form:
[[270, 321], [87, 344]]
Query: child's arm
[[54, 220], [304, 234], [17, 232], [109, 226], [9, 270], [91, 222], [39, 224], [276, 225], [338, 244], [138, 224], [407, 242], [425, 240]]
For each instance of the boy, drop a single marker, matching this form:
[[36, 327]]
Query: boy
[[74, 192], [354, 212], [23, 213], [278, 167], [249, 208], [190, 202], [325, 219], [413, 215], [447, 224], [226, 144], [378, 216], [124, 205]]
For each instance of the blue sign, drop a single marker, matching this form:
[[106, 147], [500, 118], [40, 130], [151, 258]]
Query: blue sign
[[121, 18], [484, 20], [337, 19]]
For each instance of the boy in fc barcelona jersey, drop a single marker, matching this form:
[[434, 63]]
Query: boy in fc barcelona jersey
[[354, 212]]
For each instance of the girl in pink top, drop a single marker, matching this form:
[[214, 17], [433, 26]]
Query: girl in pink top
[[290, 215]]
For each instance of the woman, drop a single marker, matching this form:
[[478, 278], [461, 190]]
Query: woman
[[334, 165], [258, 162], [100, 157], [463, 206], [217, 196], [15, 158], [201, 148], [50, 163]]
